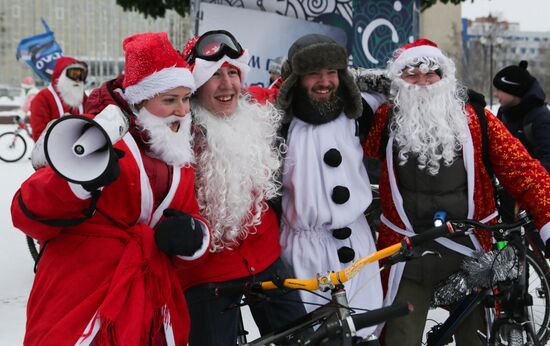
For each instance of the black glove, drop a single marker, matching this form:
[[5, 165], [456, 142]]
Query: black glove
[[179, 234], [547, 249], [111, 173]]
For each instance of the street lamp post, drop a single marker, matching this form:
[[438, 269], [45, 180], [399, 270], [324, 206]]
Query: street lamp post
[[492, 41]]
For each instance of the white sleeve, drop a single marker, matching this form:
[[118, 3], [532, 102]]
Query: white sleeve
[[374, 99]]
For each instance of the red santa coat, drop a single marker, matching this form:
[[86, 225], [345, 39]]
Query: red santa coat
[[256, 252], [521, 175], [105, 278], [48, 104]]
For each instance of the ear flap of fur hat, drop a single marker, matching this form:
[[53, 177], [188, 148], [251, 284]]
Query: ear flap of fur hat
[[285, 95], [353, 106]]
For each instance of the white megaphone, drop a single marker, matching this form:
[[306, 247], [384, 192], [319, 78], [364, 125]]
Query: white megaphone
[[78, 148]]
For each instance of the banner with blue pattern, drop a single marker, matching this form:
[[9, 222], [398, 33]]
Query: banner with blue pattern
[[40, 52]]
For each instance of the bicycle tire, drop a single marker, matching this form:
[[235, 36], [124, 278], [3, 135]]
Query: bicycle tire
[[539, 288], [33, 247], [16, 144]]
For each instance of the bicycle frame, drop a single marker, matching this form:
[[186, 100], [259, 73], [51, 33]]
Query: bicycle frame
[[335, 318]]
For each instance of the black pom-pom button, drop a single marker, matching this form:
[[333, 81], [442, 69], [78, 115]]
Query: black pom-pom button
[[333, 158], [341, 233], [340, 194], [346, 254]]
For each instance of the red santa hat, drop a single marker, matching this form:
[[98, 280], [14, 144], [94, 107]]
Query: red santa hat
[[410, 53], [153, 66], [203, 70]]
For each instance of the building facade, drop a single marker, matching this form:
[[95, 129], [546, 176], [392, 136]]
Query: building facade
[[491, 44], [88, 30]]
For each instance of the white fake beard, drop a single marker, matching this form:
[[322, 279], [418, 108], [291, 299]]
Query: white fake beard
[[71, 92], [164, 144], [429, 121], [237, 167]]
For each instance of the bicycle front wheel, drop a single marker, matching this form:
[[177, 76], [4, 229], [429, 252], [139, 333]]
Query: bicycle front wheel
[[12, 147], [539, 288]]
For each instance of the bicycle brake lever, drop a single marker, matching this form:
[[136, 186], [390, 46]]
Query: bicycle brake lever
[[408, 254], [429, 253]]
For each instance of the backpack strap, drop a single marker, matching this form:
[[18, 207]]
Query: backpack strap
[[528, 132]]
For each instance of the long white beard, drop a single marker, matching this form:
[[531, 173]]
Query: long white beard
[[430, 122], [237, 165], [71, 92], [164, 144]]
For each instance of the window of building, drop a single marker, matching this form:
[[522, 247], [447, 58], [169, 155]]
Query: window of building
[[533, 50], [523, 50], [59, 13], [16, 11]]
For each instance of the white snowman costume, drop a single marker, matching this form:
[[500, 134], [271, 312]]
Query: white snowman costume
[[311, 213]]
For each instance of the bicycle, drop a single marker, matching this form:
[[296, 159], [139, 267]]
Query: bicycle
[[519, 320], [13, 145], [335, 321]]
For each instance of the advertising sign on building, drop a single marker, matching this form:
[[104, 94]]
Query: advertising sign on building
[[370, 30]]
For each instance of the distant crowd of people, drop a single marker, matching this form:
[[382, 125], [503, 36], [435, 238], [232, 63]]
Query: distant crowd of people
[[216, 184]]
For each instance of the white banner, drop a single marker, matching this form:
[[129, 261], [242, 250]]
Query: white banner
[[265, 35]]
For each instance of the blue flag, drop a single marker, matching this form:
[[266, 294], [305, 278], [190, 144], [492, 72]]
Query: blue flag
[[40, 52]]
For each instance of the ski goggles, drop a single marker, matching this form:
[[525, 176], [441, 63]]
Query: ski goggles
[[78, 74], [213, 45]]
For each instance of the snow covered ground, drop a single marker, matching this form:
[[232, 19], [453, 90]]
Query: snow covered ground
[[16, 265]]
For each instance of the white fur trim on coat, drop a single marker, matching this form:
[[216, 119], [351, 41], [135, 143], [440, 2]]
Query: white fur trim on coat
[[418, 52], [158, 82]]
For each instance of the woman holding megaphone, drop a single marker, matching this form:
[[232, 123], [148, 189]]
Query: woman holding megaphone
[[115, 208]]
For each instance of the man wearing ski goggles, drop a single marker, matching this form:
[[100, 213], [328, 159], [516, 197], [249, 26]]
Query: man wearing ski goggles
[[77, 74], [65, 95], [236, 156]]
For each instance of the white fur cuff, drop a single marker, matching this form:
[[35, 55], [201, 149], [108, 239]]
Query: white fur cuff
[[205, 243]]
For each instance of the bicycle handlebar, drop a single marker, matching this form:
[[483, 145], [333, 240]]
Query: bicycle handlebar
[[460, 224], [337, 278], [326, 281], [362, 320], [374, 317]]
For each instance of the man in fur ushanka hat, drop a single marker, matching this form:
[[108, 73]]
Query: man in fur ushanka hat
[[326, 188]]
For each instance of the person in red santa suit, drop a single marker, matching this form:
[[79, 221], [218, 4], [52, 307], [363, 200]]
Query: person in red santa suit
[[433, 162], [108, 277], [236, 169], [65, 94]]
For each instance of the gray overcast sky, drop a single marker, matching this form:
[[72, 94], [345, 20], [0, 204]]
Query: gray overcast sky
[[533, 15]]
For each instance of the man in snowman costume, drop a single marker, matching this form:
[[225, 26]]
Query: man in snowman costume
[[326, 188]]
